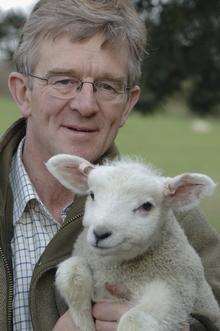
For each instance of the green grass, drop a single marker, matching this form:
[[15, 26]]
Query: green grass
[[168, 142], [8, 113]]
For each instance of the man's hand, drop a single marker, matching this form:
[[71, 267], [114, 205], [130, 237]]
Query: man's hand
[[107, 314], [186, 327], [65, 323]]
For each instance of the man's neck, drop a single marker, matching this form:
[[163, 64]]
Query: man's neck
[[53, 195]]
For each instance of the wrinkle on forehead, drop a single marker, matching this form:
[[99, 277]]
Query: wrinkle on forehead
[[87, 57]]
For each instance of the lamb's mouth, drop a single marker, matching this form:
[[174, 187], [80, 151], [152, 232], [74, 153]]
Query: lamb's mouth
[[106, 248]]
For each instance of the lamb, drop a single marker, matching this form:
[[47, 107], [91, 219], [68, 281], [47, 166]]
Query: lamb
[[131, 236]]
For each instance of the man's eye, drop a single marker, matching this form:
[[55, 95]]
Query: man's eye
[[106, 87], [65, 82], [62, 81]]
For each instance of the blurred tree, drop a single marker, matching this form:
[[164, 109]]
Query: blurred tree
[[184, 46], [10, 28]]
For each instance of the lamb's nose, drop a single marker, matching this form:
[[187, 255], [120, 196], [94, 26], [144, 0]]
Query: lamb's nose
[[101, 234]]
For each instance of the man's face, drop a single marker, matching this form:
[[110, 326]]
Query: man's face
[[83, 125]]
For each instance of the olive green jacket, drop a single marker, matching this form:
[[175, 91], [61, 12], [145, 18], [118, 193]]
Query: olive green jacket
[[45, 304]]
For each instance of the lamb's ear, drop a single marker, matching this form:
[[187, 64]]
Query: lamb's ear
[[185, 191], [71, 171]]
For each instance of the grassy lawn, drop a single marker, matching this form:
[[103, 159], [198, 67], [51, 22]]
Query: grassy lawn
[[8, 113], [166, 141]]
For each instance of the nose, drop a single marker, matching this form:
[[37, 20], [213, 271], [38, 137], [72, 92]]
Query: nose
[[85, 101], [101, 234]]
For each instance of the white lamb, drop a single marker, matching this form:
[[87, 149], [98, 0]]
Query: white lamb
[[131, 237]]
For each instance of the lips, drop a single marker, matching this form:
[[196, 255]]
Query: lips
[[77, 128]]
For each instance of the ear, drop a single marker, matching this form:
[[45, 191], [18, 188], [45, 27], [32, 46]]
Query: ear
[[18, 86], [133, 98], [185, 191], [71, 171]]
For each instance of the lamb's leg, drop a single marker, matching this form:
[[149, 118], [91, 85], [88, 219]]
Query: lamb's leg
[[206, 304], [74, 282], [160, 309]]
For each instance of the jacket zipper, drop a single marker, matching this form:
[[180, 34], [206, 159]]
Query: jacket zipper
[[49, 267], [10, 290], [67, 223], [70, 221]]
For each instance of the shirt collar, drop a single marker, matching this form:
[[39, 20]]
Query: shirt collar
[[23, 190]]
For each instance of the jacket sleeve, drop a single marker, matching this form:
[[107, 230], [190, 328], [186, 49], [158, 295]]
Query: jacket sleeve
[[206, 241]]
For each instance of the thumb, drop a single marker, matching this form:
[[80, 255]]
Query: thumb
[[118, 290]]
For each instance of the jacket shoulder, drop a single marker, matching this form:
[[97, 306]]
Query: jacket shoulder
[[206, 241]]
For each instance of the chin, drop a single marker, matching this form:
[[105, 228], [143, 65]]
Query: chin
[[118, 252], [75, 151]]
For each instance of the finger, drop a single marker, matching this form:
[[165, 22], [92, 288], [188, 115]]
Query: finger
[[108, 311], [185, 327], [118, 290], [65, 323], [105, 326]]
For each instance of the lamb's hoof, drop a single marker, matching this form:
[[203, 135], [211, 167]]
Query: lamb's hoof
[[135, 320]]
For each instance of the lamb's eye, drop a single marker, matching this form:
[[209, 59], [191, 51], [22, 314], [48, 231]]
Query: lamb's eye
[[147, 206], [92, 196]]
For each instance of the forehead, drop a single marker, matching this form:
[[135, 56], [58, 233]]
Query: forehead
[[126, 180], [88, 57]]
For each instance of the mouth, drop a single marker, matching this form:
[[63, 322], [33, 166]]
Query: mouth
[[79, 129], [97, 247], [104, 251]]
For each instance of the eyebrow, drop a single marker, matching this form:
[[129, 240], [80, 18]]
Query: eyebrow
[[74, 73], [60, 71], [109, 76]]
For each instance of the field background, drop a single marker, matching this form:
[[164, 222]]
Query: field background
[[166, 140]]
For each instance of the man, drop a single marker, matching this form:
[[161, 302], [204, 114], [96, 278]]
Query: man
[[78, 63]]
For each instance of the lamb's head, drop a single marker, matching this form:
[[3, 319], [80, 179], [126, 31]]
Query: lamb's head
[[127, 200]]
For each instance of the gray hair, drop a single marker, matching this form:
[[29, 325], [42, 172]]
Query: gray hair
[[117, 20]]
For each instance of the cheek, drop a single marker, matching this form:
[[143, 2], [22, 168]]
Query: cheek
[[140, 229], [113, 117], [54, 108], [46, 105], [88, 215]]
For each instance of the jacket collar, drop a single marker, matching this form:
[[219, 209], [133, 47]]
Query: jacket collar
[[8, 145]]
